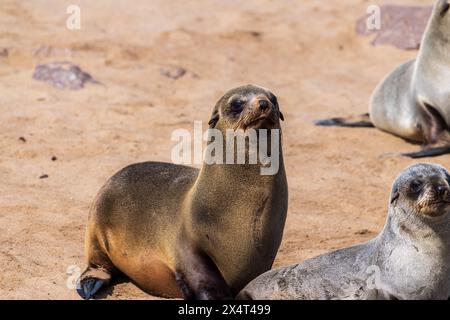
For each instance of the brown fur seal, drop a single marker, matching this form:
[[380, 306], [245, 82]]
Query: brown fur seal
[[413, 102], [410, 258], [178, 231]]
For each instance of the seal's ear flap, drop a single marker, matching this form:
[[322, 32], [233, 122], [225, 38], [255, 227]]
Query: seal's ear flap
[[214, 117], [447, 177], [394, 195], [274, 101]]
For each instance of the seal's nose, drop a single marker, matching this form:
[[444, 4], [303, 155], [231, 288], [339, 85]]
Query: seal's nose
[[263, 105], [441, 189]]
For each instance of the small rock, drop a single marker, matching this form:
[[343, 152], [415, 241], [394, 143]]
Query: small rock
[[22, 139], [255, 34], [54, 158], [401, 26], [363, 231], [173, 73], [63, 75], [4, 52], [44, 176]]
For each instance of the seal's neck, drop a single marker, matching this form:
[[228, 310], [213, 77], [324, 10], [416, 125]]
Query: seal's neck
[[242, 181], [408, 228], [247, 157], [415, 254], [435, 44], [241, 174]]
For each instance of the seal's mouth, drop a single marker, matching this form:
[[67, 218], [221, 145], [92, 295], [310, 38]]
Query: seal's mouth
[[432, 201], [434, 207], [440, 202], [260, 120]]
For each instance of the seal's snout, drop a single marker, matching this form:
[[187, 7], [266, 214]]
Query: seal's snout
[[442, 190], [262, 106], [261, 113], [265, 108]]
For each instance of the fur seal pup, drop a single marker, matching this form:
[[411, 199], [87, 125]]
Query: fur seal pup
[[409, 259], [413, 102], [177, 231]]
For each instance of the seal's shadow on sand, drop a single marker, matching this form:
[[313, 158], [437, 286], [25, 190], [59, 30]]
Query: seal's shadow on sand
[[106, 291]]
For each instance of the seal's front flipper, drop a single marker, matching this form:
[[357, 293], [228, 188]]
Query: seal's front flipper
[[200, 279], [362, 121], [431, 152], [91, 281]]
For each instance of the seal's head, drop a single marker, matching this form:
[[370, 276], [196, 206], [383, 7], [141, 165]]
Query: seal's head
[[438, 25], [442, 7], [423, 190], [247, 107]]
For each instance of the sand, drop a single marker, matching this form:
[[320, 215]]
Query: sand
[[306, 52]]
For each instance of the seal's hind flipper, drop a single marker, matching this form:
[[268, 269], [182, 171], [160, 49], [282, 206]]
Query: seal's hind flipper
[[431, 152], [91, 281], [362, 121], [89, 286]]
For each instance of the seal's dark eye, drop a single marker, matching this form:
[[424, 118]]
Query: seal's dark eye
[[237, 105], [415, 186]]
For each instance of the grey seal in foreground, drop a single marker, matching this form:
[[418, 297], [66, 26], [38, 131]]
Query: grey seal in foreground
[[413, 102], [177, 231], [409, 259]]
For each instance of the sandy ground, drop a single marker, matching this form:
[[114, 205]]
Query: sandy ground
[[307, 52]]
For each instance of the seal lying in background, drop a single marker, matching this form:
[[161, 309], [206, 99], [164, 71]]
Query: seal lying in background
[[178, 231], [413, 102], [410, 259]]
